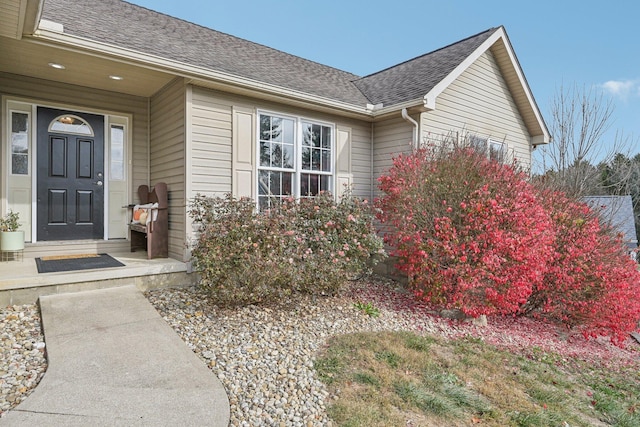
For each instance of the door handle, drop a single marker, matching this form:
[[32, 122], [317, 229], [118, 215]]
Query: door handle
[[99, 183]]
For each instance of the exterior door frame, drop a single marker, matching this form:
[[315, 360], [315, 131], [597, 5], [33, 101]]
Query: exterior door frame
[[30, 105]]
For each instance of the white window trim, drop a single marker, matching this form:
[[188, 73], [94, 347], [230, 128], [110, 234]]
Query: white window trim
[[110, 183], [489, 143], [503, 148], [297, 147], [121, 122], [8, 179]]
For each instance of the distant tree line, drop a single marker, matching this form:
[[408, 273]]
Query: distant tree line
[[619, 176], [578, 161]]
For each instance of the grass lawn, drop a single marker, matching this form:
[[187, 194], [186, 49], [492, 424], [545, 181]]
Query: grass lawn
[[404, 379]]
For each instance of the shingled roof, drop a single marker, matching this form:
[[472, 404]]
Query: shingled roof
[[129, 26], [133, 27], [412, 79]]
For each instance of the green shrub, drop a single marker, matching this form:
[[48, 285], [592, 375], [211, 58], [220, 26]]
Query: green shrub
[[311, 246]]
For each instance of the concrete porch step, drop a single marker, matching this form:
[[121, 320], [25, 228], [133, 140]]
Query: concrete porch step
[[20, 282]]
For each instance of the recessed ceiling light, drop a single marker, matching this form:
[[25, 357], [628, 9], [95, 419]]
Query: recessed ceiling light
[[112, 77], [56, 66]]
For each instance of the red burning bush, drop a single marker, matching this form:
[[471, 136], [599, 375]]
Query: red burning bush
[[474, 234], [591, 282]]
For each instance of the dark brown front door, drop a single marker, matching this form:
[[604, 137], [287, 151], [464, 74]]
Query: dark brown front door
[[70, 175]]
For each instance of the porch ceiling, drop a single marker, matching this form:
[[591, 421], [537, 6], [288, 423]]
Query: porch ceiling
[[31, 58]]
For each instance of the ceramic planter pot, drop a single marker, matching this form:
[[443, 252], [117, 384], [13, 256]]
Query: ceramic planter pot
[[11, 241]]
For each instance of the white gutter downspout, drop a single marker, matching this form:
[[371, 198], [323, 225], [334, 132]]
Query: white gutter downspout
[[414, 140], [372, 178]]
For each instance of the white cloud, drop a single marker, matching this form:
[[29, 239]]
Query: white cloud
[[622, 88]]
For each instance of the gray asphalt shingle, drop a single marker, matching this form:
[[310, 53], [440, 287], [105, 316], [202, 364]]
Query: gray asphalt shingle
[[129, 26], [415, 78]]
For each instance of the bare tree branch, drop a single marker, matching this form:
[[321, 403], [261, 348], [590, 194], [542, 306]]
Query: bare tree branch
[[580, 119]]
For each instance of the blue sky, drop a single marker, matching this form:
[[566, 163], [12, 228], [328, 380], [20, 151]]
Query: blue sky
[[588, 43]]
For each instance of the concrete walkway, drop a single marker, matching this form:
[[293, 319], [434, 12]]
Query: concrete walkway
[[113, 361]]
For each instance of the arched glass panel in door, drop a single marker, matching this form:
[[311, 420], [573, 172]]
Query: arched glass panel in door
[[70, 124]]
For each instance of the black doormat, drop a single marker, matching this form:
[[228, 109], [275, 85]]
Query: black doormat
[[54, 264]]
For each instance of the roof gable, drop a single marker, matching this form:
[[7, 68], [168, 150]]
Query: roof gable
[[422, 79]]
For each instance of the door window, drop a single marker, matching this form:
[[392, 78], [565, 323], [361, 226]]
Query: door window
[[70, 124]]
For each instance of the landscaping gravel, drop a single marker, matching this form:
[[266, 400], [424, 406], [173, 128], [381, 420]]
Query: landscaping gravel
[[264, 355], [22, 353]]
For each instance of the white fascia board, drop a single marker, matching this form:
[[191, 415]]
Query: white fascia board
[[431, 97], [415, 103], [525, 86], [540, 140], [54, 27], [181, 69]]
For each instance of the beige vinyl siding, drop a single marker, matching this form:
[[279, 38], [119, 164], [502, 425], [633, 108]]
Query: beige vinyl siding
[[361, 168], [167, 159], [479, 102], [11, 15], [210, 143], [392, 137]]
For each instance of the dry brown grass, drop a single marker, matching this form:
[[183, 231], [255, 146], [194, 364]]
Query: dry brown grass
[[402, 379]]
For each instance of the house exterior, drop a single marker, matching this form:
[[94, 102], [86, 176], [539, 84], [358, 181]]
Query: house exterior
[[617, 213], [98, 98]]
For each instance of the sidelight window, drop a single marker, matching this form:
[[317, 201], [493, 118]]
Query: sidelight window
[[116, 153], [19, 143]]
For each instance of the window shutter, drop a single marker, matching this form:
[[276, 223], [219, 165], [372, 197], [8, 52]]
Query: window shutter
[[344, 177], [243, 154]]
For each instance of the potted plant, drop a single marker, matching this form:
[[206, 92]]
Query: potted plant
[[10, 238]]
